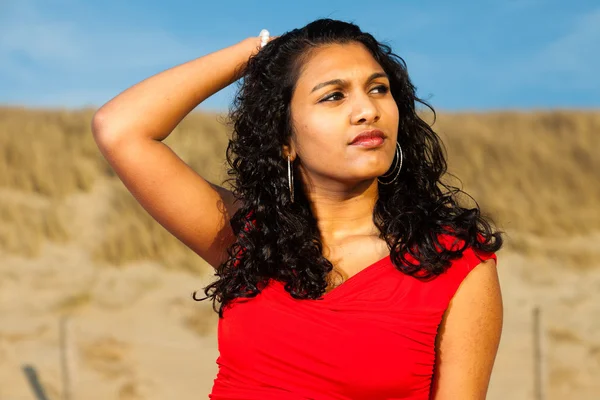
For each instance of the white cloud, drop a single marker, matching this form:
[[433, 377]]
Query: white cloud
[[568, 64], [570, 61], [64, 58], [576, 53], [26, 33], [27, 36]]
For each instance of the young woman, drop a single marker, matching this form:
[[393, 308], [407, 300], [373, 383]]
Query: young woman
[[344, 270]]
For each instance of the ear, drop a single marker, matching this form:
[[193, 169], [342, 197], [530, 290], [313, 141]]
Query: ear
[[288, 150]]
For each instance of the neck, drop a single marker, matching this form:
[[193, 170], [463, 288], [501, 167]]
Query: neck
[[344, 212]]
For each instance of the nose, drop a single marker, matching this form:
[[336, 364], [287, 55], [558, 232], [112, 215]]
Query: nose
[[364, 110]]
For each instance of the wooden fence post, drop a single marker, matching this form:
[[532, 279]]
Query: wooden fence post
[[538, 355], [34, 382], [64, 361]]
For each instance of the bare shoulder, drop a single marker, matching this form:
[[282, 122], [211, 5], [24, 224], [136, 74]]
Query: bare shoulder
[[469, 336]]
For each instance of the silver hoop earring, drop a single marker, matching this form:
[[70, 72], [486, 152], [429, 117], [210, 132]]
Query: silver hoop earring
[[290, 179], [397, 160]]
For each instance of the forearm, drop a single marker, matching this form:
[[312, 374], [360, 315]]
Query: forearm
[[153, 107]]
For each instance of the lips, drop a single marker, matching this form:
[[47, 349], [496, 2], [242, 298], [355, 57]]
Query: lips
[[368, 135]]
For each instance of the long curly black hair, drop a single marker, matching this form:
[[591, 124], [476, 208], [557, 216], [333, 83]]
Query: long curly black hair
[[280, 240]]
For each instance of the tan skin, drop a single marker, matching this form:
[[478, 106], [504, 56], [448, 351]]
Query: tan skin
[[341, 179], [342, 188], [341, 182]]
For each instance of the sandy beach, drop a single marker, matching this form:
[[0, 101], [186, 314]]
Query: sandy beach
[[85, 270]]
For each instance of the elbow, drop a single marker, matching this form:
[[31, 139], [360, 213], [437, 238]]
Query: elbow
[[102, 131], [100, 122]]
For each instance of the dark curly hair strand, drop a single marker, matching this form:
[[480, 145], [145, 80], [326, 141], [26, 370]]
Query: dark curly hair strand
[[277, 239]]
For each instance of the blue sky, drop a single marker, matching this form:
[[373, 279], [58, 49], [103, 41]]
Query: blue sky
[[461, 55]]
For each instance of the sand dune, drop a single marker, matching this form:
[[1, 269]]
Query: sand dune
[[76, 247]]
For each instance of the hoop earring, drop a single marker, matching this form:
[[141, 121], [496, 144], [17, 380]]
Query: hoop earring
[[397, 160], [290, 180]]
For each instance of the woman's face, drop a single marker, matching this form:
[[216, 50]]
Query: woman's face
[[326, 116]]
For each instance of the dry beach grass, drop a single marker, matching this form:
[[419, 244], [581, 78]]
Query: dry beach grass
[[74, 242]]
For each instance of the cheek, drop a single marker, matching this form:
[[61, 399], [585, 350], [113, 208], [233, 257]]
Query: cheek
[[320, 141], [392, 113]]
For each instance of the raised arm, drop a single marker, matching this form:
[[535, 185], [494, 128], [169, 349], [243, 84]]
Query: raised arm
[[129, 130]]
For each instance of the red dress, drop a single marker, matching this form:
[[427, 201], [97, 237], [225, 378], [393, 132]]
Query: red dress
[[372, 337]]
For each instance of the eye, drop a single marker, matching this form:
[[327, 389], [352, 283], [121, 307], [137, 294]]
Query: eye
[[382, 88], [331, 96]]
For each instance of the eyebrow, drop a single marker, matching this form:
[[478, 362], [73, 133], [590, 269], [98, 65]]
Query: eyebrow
[[342, 82]]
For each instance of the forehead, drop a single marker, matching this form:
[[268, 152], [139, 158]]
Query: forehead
[[343, 61]]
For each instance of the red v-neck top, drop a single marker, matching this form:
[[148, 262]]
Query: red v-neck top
[[372, 337]]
